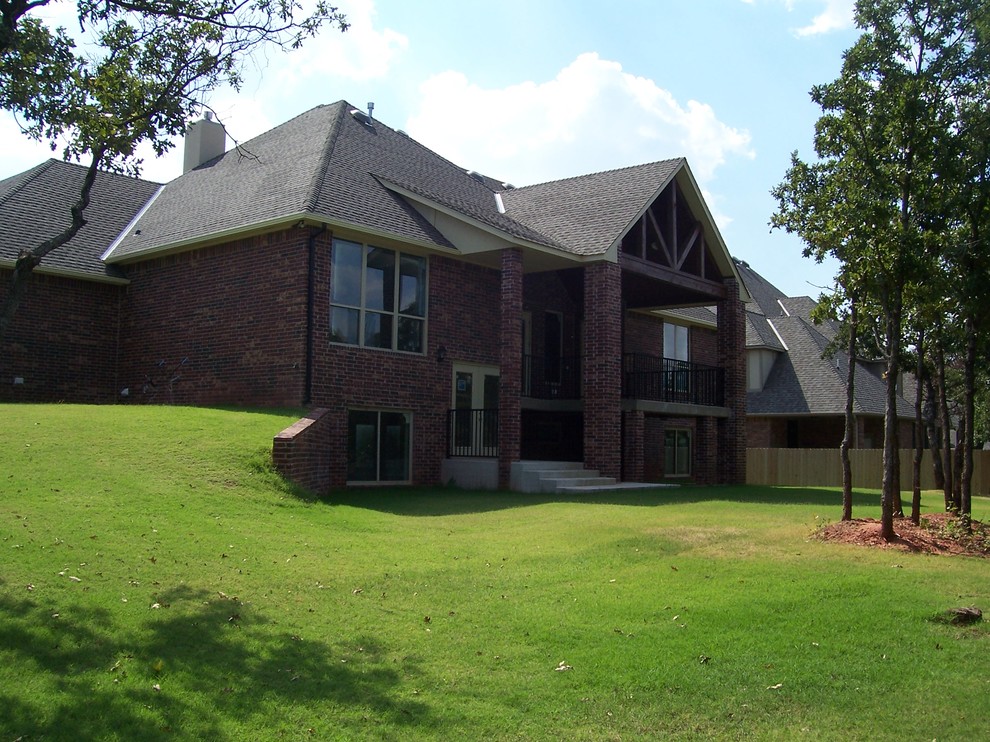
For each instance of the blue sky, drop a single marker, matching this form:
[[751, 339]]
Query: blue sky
[[535, 90]]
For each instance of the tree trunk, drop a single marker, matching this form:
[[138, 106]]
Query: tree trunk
[[957, 462], [919, 432], [934, 432], [850, 420], [891, 454], [969, 391], [943, 416]]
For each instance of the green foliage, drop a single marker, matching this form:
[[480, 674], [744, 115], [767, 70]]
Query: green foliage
[[211, 602], [899, 192], [138, 70]]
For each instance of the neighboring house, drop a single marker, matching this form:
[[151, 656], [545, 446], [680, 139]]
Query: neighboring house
[[440, 324], [796, 397]]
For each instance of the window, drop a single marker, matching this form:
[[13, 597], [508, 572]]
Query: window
[[677, 370], [677, 453], [377, 297], [675, 342], [378, 446]]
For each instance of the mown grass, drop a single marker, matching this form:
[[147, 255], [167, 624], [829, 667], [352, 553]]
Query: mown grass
[[159, 581]]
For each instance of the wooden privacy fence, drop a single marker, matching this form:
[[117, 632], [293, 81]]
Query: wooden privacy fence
[[820, 467]]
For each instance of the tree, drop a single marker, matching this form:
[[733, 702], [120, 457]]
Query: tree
[[874, 197], [138, 74]]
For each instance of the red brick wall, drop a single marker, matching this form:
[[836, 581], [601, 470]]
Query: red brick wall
[[633, 447], [62, 342], [653, 448], [236, 312], [760, 433], [644, 334], [301, 452], [704, 346], [462, 316], [705, 451]]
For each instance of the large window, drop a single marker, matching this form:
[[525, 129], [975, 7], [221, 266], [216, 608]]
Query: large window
[[677, 453], [377, 297], [675, 342], [378, 446]]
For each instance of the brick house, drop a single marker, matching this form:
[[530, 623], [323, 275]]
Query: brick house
[[439, 325], [796, 396]]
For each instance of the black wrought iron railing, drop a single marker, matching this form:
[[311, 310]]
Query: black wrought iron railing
[[551, 377], [472, 433], [666, 380]]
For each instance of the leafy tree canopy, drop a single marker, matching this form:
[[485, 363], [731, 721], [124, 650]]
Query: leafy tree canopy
[[137, 70]]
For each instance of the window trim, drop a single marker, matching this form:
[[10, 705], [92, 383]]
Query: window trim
[[363, 310]]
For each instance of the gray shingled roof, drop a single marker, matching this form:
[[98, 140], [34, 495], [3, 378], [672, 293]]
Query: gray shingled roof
[[801, 381], [765, 296], [759, 333], [34, 206], [587, 214], [325, 164]]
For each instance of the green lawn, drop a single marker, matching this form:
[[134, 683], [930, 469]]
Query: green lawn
[[159, 581]]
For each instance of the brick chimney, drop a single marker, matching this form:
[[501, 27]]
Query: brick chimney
[[205, 139]]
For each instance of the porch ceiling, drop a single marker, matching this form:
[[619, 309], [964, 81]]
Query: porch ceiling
[[646, 285]]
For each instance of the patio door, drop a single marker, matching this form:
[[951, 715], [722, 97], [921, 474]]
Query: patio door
[[474, 422]]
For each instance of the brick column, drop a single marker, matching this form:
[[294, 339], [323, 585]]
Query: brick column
[[732, 358], [633, 457], [510, 363], [602, 381], [706, 456]]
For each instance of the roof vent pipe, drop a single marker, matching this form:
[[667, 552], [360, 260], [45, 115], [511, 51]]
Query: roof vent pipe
[[371, 109]]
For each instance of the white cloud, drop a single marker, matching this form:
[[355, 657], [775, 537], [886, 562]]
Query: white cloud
[[592, 116], [838, 14], [363, 52]]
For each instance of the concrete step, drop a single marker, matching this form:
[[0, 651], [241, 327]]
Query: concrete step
[[550, 484], [618, 486]]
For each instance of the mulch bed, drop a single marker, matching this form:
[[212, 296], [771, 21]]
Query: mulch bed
[[939, 533]]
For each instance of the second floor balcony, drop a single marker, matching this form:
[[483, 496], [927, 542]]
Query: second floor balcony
[[668, 380], [644, 377]]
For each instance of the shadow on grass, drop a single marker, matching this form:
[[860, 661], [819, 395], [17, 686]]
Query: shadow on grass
[[201, 666], [417, 501]]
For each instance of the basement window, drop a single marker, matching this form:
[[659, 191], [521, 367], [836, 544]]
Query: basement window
[[378, 446]]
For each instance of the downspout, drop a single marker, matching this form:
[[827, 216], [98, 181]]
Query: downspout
[[310, 308]]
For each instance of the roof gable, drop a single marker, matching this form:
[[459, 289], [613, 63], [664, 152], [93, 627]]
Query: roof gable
[[588, 214]]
